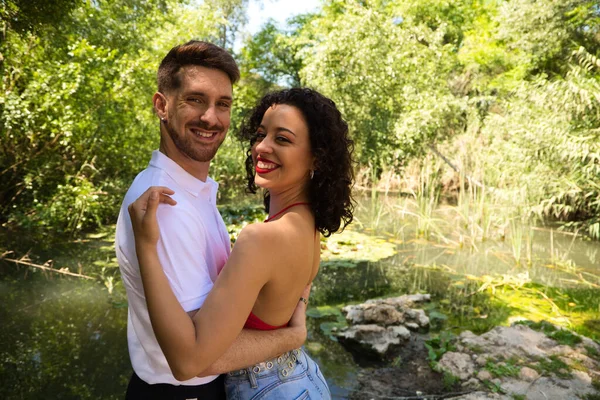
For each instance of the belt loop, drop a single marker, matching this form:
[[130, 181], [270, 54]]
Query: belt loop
[[252, 378]]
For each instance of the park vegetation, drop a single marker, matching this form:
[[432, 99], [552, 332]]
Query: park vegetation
[[498, 96]]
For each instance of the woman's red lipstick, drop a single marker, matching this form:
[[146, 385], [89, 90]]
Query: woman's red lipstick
[[262, 170]]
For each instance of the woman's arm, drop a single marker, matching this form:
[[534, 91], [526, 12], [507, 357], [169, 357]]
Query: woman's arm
[[253, 346], [190, 347]]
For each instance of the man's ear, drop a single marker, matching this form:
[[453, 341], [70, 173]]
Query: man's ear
[[160, 105]]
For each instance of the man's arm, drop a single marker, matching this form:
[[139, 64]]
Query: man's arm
[[254, 346]]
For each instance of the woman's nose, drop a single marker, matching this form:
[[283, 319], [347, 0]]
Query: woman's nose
[[264, 146]]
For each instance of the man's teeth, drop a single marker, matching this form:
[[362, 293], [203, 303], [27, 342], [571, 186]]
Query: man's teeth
[[263, 165], [203, 134]]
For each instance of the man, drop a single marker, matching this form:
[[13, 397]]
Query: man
[[193, 103]]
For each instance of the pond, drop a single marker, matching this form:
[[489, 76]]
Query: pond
[[65, 338]]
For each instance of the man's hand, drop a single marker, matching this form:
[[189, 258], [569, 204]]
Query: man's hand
[[298, 320]]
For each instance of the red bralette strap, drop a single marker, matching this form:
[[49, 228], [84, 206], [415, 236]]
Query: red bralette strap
[[285, 209]]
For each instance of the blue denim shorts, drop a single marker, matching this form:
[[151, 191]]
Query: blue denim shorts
[[293, 375]]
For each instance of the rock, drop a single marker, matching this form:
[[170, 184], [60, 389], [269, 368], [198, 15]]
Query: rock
[[589, 343], [472, 383], [458, 364], [482, 360], [504, 342], [373, 338], [380, 324], [546, 388], [405, 301], [562, 350], [467, 335], [528, 374], [417, 316], [413, 326], [484, 375], [390, 311], [481, 396], [382, 314]]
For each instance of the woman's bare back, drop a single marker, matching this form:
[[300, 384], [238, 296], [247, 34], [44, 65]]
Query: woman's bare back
[[293, 262]]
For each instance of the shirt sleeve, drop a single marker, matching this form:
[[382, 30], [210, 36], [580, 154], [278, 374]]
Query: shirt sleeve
[[182, 250]]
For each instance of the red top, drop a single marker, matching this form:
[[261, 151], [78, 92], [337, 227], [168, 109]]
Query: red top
[[253, 322]]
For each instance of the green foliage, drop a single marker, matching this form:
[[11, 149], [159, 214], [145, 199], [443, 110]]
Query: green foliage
[[592, 352], [449, 380], [591, 396], [502, 369], [333, 316], [28, 15], [75, 114], [510, 90], [388, 79], [439, 346], [282, 63], [553, 365], [237, 217]]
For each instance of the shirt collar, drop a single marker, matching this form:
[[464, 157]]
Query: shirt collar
[[183, 178]]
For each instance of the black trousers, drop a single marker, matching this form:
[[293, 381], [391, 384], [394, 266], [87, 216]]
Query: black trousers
[[140, 390]]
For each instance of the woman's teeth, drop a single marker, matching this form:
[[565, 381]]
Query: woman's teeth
[[263, 165]]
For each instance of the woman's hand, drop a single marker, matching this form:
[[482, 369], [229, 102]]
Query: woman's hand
[[143, 214], [298, 320]]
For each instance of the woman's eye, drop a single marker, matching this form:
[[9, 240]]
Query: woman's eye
[[283, 139], [259, 136]]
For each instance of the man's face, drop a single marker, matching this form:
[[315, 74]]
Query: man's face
[[199, 112]]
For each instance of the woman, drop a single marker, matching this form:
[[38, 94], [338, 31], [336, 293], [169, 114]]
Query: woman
[[300, 153]]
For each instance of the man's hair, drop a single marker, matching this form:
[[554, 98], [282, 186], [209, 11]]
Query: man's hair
[[194, 52]]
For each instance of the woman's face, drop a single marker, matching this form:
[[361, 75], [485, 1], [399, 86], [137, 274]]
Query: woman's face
[[281, 154]]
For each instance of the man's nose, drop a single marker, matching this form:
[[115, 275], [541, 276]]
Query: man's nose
[[210, 116]]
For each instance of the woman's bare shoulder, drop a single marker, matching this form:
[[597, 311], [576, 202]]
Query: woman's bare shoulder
[[271, 237], [259, 234]]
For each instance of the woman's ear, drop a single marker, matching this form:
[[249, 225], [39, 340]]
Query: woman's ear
[[160, 105]]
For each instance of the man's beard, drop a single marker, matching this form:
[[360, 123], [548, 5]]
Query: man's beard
[[192, 149]]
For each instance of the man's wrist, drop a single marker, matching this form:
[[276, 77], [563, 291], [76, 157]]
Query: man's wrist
[[299, 335]]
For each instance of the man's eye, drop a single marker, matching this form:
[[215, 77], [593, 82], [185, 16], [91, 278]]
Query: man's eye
[[225, 105]]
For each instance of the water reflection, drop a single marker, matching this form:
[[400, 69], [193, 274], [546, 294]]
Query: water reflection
[[63, 339]]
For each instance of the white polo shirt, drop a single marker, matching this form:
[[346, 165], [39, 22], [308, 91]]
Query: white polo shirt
[[193, 247]]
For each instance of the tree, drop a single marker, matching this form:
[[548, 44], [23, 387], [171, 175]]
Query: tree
[[75, 111], [388, 77]]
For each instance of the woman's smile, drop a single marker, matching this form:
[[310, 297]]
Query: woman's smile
[[264, 166]]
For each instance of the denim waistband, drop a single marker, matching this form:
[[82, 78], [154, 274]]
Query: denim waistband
[[284, 365]]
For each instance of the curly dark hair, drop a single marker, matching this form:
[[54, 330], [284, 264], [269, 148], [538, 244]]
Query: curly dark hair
[[330, 189]]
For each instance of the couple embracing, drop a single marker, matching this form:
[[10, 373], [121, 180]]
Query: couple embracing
[[204, 321]]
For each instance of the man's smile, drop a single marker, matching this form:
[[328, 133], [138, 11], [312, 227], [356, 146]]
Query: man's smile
[[201, 133]]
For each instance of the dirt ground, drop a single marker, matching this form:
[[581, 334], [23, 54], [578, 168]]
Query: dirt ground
[[411, 375]]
